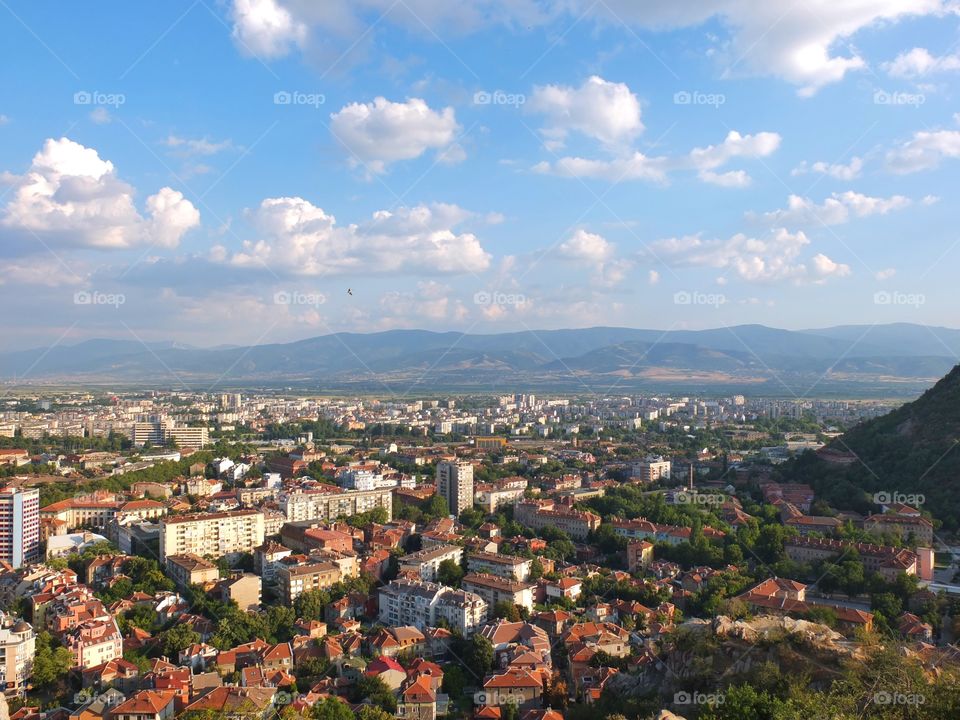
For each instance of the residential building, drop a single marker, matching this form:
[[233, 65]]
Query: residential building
[[426, 563], [423, 604], [544, 513], [331, 503], [17, 649], [883, 559], [496, 589], [244, 589], [455, 485], [215, 534], [639, 555], [505, 566], [19, 526], [295, 580], [94, 642]]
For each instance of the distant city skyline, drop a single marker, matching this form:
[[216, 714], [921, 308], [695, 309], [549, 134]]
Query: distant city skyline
[[262, 171]]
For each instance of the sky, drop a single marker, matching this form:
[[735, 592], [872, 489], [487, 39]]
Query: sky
[[241, 172]]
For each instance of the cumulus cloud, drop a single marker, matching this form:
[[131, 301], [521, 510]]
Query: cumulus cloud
[[72, 197], [775, 257], [597, 253], [924, 151], [383, 132], [919, 62], [602, 110], [266, 28], [839, 171], [299, 238], [835, 210]]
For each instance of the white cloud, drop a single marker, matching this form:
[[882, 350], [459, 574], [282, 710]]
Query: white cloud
[[603, 110], [587, 247], [835, 210], [431, 301], [634, 167], [596, 252], [100, 116], [298, 238], [265, 28], [71, 197], [924, 151], [775, 257], [885, 274], [653, 277], [919, 62], [4, 119], [383, 132], [799, 42], [850, 171], [706, 161], [808, 44], [200, 146]]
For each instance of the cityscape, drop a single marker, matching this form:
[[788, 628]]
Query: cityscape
[[479, 360]]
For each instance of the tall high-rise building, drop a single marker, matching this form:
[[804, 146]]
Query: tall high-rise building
[[455, 485], [19, 526]]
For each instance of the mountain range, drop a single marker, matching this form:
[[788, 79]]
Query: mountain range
[[894, 359]]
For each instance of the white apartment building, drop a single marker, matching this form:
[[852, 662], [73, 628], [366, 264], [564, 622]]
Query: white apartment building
[[323, 505], [19, 526], [426, 562], [423, 604], [455, 485], [214, 534], [505, 566], [17, 649]]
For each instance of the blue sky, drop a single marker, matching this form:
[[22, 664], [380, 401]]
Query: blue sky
[[266, 170]]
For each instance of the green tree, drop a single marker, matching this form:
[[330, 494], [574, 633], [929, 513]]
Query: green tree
[[450, 573], [311, 604], [50, 664], [178, 638], [506, 610], [331, 708]]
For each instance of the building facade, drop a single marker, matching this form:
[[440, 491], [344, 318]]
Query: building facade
[[455, 485]]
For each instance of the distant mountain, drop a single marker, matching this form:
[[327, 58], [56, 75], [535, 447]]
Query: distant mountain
[[914, 450], [862, 360]]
